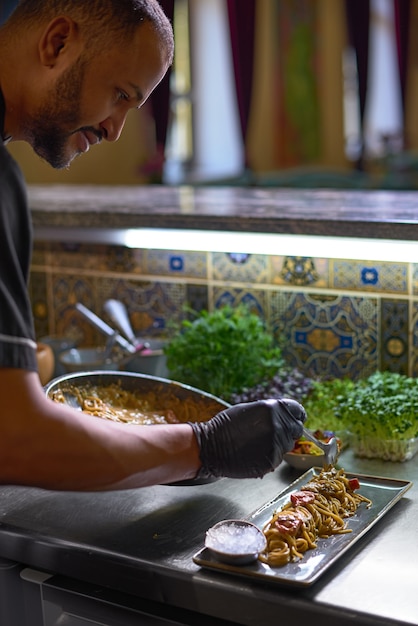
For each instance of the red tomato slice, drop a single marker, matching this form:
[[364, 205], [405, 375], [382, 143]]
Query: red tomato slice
[[302, 497], [354, 483]]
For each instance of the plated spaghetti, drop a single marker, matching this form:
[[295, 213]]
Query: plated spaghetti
[[112, 402], [318, 510]]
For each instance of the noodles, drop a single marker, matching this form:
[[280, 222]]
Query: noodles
[[317, 511], [161, 406]]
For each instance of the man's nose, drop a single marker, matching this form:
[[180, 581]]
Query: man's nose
[[112, 127]]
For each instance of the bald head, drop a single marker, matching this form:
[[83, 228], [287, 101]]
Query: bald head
[[98, 19]]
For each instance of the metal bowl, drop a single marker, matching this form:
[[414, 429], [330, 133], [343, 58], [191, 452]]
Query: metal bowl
[[86, 360], [207, 404]]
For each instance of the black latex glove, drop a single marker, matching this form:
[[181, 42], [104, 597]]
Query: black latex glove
[[248, 440]]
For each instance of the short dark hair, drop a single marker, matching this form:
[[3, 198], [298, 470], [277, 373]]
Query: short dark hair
[[117, 19]]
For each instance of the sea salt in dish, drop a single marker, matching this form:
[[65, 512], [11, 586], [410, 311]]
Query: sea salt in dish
[[235, 542]]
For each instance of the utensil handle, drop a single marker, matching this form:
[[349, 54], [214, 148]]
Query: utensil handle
[[118, 313], [314, 440], [101, 325]]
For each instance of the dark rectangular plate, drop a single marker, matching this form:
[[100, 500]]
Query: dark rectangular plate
[[383, 492]]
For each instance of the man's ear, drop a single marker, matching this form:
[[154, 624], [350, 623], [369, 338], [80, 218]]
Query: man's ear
[[60, 41]]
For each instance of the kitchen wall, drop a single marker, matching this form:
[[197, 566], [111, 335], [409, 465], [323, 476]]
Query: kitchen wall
[[334, 317]]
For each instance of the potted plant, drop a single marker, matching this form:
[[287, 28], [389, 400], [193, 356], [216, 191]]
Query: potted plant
[[381, 414]]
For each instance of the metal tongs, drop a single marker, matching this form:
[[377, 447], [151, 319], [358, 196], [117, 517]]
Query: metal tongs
[[107, 330], [118, 313], [330, 449]]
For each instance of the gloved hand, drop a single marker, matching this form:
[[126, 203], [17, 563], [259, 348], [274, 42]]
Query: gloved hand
[[248, 440]]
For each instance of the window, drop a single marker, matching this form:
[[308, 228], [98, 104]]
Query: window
[[204, 139]]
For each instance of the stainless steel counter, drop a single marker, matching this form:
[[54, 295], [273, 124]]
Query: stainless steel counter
[[142, 542]]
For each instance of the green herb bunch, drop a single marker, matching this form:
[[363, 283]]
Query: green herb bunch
[[323, 402], [383, 406], [223, 352]]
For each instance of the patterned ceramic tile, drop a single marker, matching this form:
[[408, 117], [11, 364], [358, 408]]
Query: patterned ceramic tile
[[172, 263], [415, 279], [197, 297], [256, 299], [327, 335], [136, 261], [394, 330], [151, 305], [242, 268], [299, 271], [414, 341], [40, 253], [369, 276], [67, 290], [125, 260], [86, 256], [39, 299]]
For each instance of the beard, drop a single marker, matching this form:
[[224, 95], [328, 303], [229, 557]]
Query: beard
[[47, 129]]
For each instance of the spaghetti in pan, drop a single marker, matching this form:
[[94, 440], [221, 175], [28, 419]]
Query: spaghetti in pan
[[319, 510], [112, 402]]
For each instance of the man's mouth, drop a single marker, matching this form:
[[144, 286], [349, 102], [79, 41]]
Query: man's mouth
[[87, 137], [92, 136]]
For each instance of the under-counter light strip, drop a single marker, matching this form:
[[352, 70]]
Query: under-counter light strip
[[273, 244], [349, 248]]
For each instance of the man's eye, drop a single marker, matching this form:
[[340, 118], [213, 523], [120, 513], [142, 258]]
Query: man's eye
[[122, 95]]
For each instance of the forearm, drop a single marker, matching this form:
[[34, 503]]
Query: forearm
[[104, 456], [49, 445]]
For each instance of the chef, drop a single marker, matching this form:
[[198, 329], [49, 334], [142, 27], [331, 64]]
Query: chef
[[70, 71]]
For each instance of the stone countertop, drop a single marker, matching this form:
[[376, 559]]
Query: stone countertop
[[367, 214]]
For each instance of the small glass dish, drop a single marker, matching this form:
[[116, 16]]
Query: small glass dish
[[235, 542]]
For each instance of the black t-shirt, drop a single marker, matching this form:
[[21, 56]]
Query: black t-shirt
[[17, 337]]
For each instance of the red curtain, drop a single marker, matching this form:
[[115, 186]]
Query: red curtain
[[160, 107], [241, 15], [402, 10], [358, 26]]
